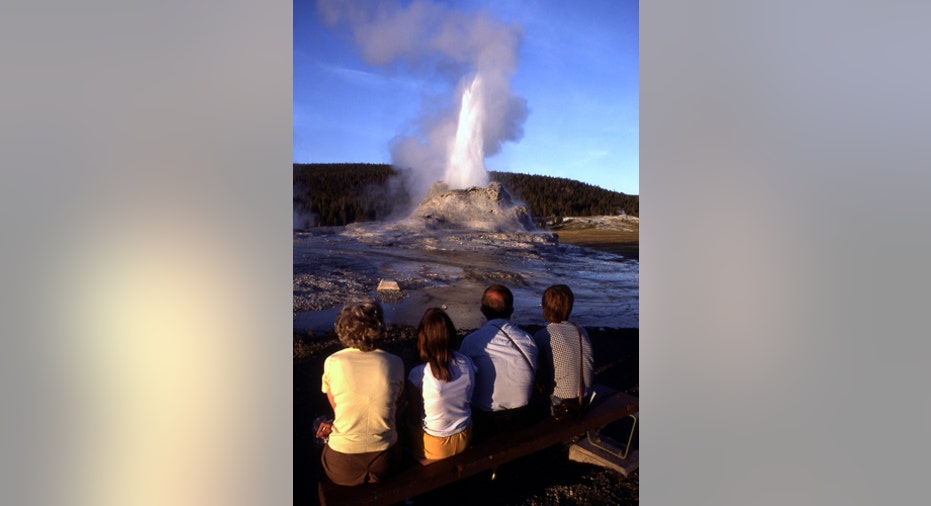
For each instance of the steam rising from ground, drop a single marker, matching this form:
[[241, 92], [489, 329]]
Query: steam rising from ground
[[477, 55]]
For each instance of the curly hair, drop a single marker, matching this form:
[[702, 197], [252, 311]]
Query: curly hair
[[360, 324]]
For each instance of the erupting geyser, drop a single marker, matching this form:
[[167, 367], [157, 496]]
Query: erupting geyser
[[462, 200], [476, 53], [466, 166]]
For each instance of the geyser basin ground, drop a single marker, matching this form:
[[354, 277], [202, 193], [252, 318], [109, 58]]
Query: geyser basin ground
[[451, 268]]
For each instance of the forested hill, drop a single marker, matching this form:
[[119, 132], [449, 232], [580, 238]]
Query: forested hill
[[557, 196], [341, 193]]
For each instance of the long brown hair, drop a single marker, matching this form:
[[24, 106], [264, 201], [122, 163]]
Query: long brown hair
[[436, 337]]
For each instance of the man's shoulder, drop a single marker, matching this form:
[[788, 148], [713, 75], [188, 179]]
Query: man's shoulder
[[485, 331], [496, 329], [515, 331], [458, 355]]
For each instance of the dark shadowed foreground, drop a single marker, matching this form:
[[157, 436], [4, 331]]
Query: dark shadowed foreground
[[544, 478]]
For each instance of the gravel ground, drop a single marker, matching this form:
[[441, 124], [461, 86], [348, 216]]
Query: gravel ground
[[544, 478]]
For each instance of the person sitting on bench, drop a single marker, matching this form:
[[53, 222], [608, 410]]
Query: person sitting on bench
[[506, 361], [364, 386], [565, 353], [440, 391]]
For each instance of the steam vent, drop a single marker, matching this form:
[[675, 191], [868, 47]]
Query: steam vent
[[488, 209]]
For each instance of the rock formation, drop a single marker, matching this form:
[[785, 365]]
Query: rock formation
[[488, 209]]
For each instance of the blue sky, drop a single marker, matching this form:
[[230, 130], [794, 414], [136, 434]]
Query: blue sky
[[577, 71]]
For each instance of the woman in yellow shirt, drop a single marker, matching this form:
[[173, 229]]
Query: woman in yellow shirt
[[364, 386]]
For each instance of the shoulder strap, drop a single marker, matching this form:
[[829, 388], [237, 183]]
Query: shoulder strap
[[581, 378], [529, 363]]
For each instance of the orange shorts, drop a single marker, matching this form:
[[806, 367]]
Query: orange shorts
[[436, 448]]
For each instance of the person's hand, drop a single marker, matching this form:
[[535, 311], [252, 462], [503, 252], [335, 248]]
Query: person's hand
[[324, 430]]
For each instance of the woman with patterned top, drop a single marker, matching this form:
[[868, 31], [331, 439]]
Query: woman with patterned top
[[440, 391], [564, 349]]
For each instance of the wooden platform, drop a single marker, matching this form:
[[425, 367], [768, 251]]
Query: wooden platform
[[415, 480]]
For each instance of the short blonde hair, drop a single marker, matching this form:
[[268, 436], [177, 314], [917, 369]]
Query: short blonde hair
[[360, 324]]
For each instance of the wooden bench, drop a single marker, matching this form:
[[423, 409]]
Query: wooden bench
[[488, 455]]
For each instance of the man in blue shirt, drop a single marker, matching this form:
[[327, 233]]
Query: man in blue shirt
[[506, 359]]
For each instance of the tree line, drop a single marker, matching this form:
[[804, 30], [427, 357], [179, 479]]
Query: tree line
[[342, 193], [332, 194], [556, 197]]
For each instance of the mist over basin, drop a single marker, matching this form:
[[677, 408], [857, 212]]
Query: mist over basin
[[452, 268]]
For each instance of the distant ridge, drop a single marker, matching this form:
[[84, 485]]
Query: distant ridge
[[333, 194]]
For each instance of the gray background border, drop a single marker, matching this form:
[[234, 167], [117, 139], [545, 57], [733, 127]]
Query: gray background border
[[146, 259]]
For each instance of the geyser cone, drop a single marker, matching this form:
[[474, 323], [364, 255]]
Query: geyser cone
[[488, 209]]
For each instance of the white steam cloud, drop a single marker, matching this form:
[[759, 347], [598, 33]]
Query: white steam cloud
[[476, 53]]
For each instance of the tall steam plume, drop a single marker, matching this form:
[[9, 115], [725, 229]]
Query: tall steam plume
[[476, 53]]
